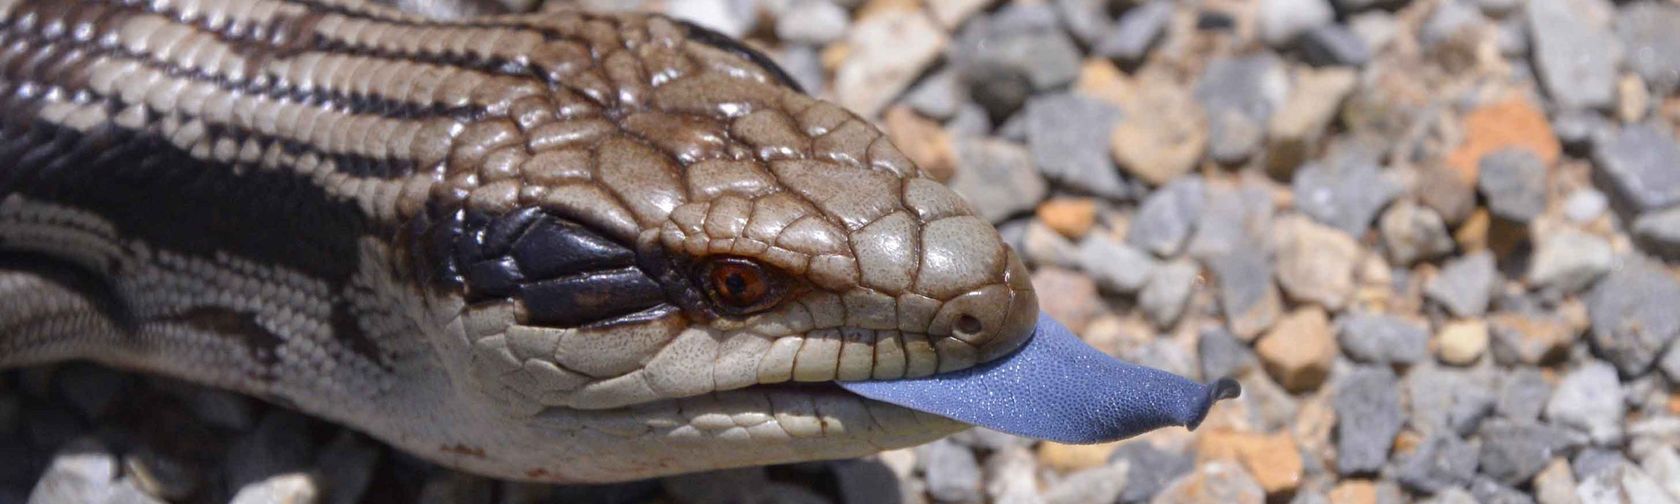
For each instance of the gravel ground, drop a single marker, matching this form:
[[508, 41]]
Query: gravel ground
[[1435, 240]]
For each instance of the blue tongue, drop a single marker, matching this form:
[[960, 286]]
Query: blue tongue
[[1057, 388]]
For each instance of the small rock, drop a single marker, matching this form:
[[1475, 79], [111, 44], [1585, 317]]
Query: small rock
[[1531, 339], [1523, 394], [1097, 484], [1021, 39], [287, 488], [84, 471], [1368, 415], [1115, 266], [812, 22], [1010, 476], [1452, 495], [1513, 451], [971, 120], [1150, 470], [1250, 301], [1334, 45], [1633, 315], [1447, 193], [1281, 21], [886, 54], [1670, 363], [1296, 130], [1042, 246], [1137, 31], [805, 66], [1569, 260], [1442, 462], [1087, 20], [1345, 192], [1216, 481], [1488, 491], [161, 476], [921, 140], [1377, 28], [1556, 484], [1514, 182], [1315, 263], [1622, 483], [997, 178], [1067, 458], [1663, 465], [1512, 123], [1448, 399], [1574, 53], [1222, 354], [1585, 205], [279, 445], [953, 474], [1163, 135], [729, 17], [1274, 460], [1589, 399], [1068, 135], [1637, 165], [1167, 217], [1413, 233], [939, 96], [1071, 217], [1239, 96], [1232, 221], [1069, 297], [1383, 339], [1464, 284], [1297, 352], [1594, 460], [1512, 40], [1646, 30], [1354, 491], [1168, 290], [1659, 232], [952, 13], [1463, 341], [1447, 20]]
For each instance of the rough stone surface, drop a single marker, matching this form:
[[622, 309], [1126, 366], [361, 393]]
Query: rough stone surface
[[1589, 399], [953, 474], [1514, 182], [1222, 354], [1250, 301], [1465, 284], [1527, 338], [1334, 45], [1167, 217], [1413, 232], [1164, 297], [1116, 266], [1570, 260], [1315, 262], [1068, 136], [997, 177], [1462, 342], [1368, 415], [1513, 451], [1636, 164], [1345, 193], [1523, 395], [1651, 44], [1138, 29], [1151, 470], [1442, 462], [1298, 351], [1574, 52], [1282, 21], [1659, 232], [1633, 315], [1213, 482], [1240, 95], [1383, 339]]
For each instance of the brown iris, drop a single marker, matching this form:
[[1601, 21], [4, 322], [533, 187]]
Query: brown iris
[[739, 286]]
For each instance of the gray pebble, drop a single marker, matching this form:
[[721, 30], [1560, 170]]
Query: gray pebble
[[1574, 54], [84, 471], [1487, 491], [1622, 482], [1581, 129], [1670, 363], [989, 440], [1659, 232], [812, 22], [1514, 182], [1247, 295], [1449, 19], [1368, 415], [971, 120], [1465, 284], [1585, 205], [1448, 399], [1068, 136], [1442, 462], [1344, 192], [1011, 478], [1569, 260], [953, 474], [1589, 399], [1231, 220], [1087, 20], [1523, 393], [1239, 96], [1632, 313], [1138, 30], [864, 481], [1097, 484], [1593, 461], [1333, 45], [1653, 46], [1168, 290], [1382, 339], [1637, 164], [939, 96], [1026, 39], [1168, 216], [804, 65], [1115, 266], [1513, 451], [1151, 470], [997, 177], [1043, 246], [1222, 354], [1512, 39], [1281, 21]]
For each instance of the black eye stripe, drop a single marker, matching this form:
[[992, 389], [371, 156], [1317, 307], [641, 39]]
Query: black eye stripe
[[723, 42]]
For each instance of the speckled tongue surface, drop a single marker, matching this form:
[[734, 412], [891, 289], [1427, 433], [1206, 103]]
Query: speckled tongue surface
[[1057, 388]]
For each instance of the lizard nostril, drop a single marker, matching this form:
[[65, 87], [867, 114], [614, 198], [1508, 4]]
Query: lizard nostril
[[969, 325]]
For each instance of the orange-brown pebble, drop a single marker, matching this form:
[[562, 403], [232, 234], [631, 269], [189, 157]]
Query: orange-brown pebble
[[1354, 492], [1299, 349], [1513, 122], [1070, 217], [924, 141], [1273, 459]]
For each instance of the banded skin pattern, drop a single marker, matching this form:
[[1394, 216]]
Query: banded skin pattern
[[568, 247]]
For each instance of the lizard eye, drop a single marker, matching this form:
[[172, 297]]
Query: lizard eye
[[739, 286]]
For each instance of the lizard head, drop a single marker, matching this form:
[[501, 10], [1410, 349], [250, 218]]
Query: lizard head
[[666, 260]]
